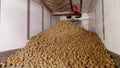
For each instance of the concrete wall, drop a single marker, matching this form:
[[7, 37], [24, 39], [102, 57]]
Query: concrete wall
[[105, 20], [17, 24]]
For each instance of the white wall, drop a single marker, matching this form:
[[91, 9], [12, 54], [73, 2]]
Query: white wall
[[35, 18], [0, 11], [112, 25], [99, 19], [96, 18], [13, 25], [106, 13]]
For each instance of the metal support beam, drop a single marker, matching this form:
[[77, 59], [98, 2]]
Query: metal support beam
[[28, 19]]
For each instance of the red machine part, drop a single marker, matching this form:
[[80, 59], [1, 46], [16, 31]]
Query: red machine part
[[74, 9]]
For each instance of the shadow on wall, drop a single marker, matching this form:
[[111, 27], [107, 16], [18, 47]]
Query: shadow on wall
[[96, 21]]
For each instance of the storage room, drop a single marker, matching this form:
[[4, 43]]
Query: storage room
[[59, 33]]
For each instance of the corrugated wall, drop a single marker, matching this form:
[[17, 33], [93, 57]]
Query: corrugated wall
[[20, 20]]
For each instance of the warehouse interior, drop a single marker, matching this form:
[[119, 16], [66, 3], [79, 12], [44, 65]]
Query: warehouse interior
[[22, 19]]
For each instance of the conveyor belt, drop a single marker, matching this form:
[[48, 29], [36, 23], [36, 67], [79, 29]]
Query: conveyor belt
[[57, 5]]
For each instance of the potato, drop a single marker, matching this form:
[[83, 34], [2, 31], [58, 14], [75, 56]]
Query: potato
[[65, 45]]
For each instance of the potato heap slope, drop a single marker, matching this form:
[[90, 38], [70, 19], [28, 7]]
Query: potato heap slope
[[64, 45]]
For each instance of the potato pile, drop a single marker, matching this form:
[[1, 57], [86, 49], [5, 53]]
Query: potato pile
[[65, 45]]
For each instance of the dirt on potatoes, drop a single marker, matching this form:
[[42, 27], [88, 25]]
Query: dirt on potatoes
[[64, 45]]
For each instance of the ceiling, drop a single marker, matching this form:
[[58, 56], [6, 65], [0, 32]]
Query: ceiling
[[57, 5], [86, 4]]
